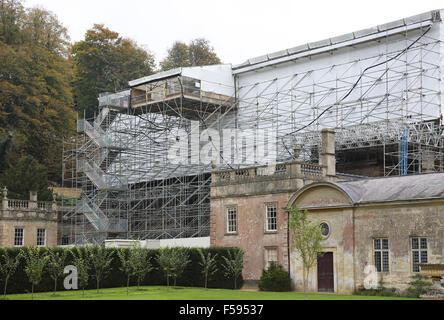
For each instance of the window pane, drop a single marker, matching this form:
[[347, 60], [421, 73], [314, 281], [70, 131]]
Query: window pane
[[377, 244], [378, 261], [415, 243], [385, 261], [415, 257], [385, 244], [424, 257], [41, 235], [423, 243], [325, 229], [232, 220], [271, 218], [18, 237]]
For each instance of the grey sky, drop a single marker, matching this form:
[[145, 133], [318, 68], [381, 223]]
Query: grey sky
[[238, 29]]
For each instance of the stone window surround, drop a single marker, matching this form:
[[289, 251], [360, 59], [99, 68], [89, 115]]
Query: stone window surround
[[266, 205], [227, 208], [44, 237], [381, 250], [23, 236], [266, 249], [419, 250], [329, 229]]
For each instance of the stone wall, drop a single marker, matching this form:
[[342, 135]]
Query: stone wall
[[398, 222], [353, 229], [252, 236], [29, 215]]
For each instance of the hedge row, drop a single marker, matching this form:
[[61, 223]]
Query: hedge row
[[192, 276]]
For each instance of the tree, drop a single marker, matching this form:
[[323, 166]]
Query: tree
[[125, 266], [36, 105], [178, 56], [208, 264], [105, 62], [7, 268], [198, 52], [135, 263], [306, 241], [27, 174], [202, 53], [181, 259], [234, 265], [80, 261], [140, 263], [56, 265], [171, 262], [100, 261], [35, 262]]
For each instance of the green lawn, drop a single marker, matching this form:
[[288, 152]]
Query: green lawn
[[180, 293]]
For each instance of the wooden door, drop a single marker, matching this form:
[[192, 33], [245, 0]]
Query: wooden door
[[325, 273]]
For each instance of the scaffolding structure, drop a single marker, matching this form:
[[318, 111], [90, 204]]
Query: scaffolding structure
[[121, 159]]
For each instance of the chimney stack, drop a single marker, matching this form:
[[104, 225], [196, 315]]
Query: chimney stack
[[428, 161], [327, 156]]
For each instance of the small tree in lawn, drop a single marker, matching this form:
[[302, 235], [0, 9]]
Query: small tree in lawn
[[80, 261], [8, 266], [306, 241], [140, 263], [166, 260], [35, 262], [208, 264], [181, 259], [56, 265], [234, 265], [100, 261], [125, 266]]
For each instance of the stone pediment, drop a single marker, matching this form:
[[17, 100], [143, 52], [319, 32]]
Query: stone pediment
[[320, 195]]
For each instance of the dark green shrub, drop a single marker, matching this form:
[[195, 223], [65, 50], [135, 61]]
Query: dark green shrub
[[275, 278], [418, 286], [380, 291]]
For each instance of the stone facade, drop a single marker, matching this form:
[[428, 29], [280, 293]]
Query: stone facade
[[354, 226], [250, 191], [359, 213], [30, 216]]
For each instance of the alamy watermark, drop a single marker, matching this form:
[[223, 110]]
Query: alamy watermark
[[219, 147], [71, 281]]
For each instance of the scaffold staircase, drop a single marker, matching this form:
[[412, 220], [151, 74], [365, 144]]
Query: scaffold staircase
[[100, 153]]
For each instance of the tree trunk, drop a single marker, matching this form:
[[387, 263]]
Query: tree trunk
[[206, 281], [55, 287], [32, 291], [127, 284], [235, 283], [97, 285], [305, 283], [6, 286], [83, 292]]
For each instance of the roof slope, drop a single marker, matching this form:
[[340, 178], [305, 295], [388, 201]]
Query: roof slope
[[413, 187], [342, 40]]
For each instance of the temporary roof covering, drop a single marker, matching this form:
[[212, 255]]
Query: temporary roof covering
[[352, 38]]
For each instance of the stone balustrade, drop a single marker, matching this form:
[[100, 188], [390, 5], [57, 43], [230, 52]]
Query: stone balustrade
[[27, 205], [291, 169]]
